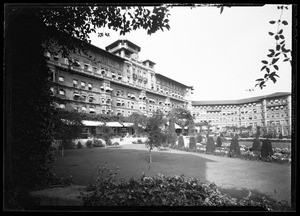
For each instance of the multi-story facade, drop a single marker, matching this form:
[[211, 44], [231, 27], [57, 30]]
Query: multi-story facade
[[269, 111], [114, 81]]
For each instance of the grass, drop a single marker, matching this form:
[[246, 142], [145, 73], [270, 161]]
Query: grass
[[132, 163]]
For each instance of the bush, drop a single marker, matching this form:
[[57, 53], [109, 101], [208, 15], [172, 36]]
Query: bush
[[180, 141], [162, 191], [79, 145], [256, 145], [139, 141], [199, 138], [219, 142], [280, 136], [68, 144], [89, 144], [116, 144], [234, 147], [108, 142], [98, 143], [266, 148], [210, 145], [192, 144]]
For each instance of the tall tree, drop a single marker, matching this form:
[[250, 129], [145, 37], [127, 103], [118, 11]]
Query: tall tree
[[154, 130], [31, 30]]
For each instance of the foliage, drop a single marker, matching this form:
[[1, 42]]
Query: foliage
[[210, 145], [154, 125], [199, 138], [280, 136], [29, 128], [256, 145], [219, 142], [115, 144], [67, 126], [67, 144], [98, 143], [79, 145], [171, 136], [192, 144], [279, 51], [137, 119], [180, 141], [107, 134], [266, 148], [139, 141], [162, 191], [89, 143], [234, 147], [182, 117]]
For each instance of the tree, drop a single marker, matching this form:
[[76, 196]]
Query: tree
[[137, 119], [30, 31], [234, 147], [154, 130], [67, 126], [182, 117]]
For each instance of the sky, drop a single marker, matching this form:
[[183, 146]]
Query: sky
[[218, 54]]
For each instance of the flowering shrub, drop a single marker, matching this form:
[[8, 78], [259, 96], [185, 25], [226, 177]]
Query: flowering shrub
[[162, 191]]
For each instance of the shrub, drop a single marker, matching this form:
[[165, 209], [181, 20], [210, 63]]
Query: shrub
[[98, 143], [256, 145], [234, 147], [139, 141], [116, 144], [219, 142], [266, 148], [162, 191], [280, 136], [192, 144], [68, 144], [210, 145], [180, 141], [108, 142], [199, 138], [89, 143], [79, 145]]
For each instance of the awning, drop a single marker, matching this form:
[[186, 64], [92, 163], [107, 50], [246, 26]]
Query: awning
[[114, 124], [127, 124], [177, 126], [91, 123]]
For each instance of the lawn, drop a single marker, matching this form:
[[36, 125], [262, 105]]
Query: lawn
[[228, 173]]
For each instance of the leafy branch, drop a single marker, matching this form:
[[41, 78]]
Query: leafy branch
[[270, 66]]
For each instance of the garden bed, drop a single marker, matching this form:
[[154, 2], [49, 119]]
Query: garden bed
[[280, 155]]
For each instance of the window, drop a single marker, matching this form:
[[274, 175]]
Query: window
[[61, 79], [62, 106], [75, 83], [91, 98], [62, 92], [83, 109], [83, 96], [83, 85], [55, 58], [86, 67], [95, 69], [52, 91], [90, 86]]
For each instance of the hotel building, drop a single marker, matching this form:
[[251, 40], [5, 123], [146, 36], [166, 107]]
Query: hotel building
[[114, 81], [269, 111]]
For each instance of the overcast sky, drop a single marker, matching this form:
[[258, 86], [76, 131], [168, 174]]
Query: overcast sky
[[218, 54]]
